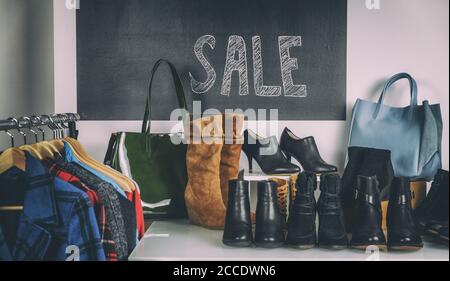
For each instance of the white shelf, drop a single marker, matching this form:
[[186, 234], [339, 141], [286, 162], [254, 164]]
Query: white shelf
[[180, 241], [262, 177]]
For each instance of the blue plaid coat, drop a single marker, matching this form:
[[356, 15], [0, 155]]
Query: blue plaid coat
[[57, 224]]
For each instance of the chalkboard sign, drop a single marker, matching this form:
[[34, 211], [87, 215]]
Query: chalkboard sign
[[288, 55]]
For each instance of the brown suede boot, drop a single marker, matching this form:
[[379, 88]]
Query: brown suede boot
[[203, 196], [231, 151]]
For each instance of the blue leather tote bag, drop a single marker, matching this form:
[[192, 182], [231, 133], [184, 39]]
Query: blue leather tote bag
[[413, 134]]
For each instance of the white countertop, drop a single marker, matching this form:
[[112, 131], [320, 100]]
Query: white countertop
[[180, 241]]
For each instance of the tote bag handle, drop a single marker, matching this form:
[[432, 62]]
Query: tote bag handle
[[389, 83], [146, 123]]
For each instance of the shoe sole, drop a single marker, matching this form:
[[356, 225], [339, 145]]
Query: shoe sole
[[269, 245], [238, 244], [435, 235], [333, 247], [301, 247], [382, 248], [405, 248]]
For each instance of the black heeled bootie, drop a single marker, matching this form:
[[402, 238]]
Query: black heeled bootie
[[302, 216], [402, 233], [435, 205], [367, 229], [270, 224], [238, 224], [267, 154], [432, 215], [332, 232], [305, 151]]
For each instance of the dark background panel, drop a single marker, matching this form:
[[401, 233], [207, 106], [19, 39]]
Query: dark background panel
[[118, 41]]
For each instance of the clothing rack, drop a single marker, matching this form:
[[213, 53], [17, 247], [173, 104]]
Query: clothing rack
[[54, 122]]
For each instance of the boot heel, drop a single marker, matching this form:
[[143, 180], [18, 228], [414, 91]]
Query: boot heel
[[250, 163]]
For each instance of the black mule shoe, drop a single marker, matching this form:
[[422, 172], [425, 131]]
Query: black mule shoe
[[267, 154], [238, 224], [302, 216], [305, 151], [401, 228], [367, 229], [270, 223], [332, 232]]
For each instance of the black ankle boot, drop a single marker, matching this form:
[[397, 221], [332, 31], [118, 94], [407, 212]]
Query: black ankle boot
[[302, 216], [305, 151], [332, 232], [432, 215], [402, 232], [365, 162], [439, 209], [238, 224], [433, 203], [267, 154], [367, 229], [270, 224]]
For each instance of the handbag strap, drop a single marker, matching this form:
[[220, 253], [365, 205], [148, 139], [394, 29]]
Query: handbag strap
[[389, 83], [178, 89]]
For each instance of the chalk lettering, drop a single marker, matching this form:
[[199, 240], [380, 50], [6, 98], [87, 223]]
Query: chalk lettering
[[289, 64], [260, 89], [236, 47], [204, 87]]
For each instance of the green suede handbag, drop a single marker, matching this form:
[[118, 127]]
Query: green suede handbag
[[153, 161]]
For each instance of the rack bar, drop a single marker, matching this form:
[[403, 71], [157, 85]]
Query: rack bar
[[43, 120]]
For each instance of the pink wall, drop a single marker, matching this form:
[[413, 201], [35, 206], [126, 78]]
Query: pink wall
[[404, 35]]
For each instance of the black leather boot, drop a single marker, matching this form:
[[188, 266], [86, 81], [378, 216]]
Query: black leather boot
[[302, 216], [435, 206], [365, 162], [270, 224], [238, 224], [424, 209], [432, 215], [305, 151], [332, 232], [367, 229], [267, 154], [402, 232]]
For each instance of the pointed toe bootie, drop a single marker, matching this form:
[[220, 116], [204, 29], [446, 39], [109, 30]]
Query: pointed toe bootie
[[401, 228], [231, 151], [302, 216], [270, 224], [332, 232], [267, 154], [238, 224], [367, 229], [305, 151], [203, 195]]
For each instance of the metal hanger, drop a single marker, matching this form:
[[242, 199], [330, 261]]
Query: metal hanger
[[30, 127], [18, 129], [39, 119], [51, 125], [12, 138]]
